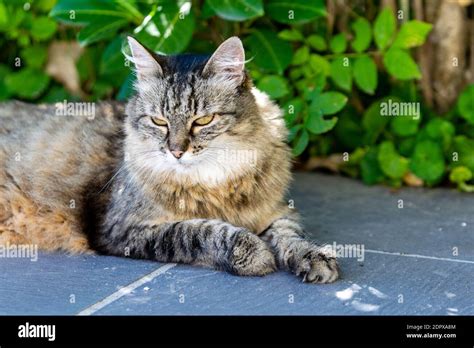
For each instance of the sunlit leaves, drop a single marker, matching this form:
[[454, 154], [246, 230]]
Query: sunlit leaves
[[400, 64], [365, 74], [294, 11], [268, 51], [384, 28], [412, 34], [427, 161], [363, 34], [237, 10], [28, 83]]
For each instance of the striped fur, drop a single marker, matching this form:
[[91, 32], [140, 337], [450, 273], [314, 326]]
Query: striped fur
[[293, 253], [134, 198]]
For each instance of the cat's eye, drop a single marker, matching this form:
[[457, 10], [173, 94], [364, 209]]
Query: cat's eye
[[159, 121], [203, 121]]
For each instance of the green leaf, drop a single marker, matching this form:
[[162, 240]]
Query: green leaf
[[363, 34], [295, 11], [412, 34], [275, 86], [441, 131], [373, 122], [101, 89], [291, 35], [114, 68], [37, 81], [301, 143], [384, 28], [268, 51], [465, 104], [309, 88], [42, 28], [293, 131], [365, 74], [463, 148], [392, 164], [319, 64], [34, 56], [348, 130], [338, 43], [99, 31], [88, 11], [126, 90], [56, 94], [206, 11], [112, 59], [370, 168], [400, 64], [170, 30], [45, 5], [405, 126], [341, 73], [4, 92], [317, 42], [3, 15], [460, 174], [315, 123], [406, 146], [328, 103], [237, 10], [301, 56], [427, 162]]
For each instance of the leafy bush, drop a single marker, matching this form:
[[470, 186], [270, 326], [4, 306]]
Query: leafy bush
[[336, 84]]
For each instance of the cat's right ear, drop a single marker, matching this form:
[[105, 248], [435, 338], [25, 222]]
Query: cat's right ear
[[145, 62]]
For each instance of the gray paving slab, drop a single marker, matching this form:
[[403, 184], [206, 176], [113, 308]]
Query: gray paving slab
[[418, 259], [381, 285], [60, 284], [437, 222]]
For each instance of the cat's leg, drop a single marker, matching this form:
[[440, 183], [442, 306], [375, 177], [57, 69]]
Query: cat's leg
[[211, 243], [299, 256]]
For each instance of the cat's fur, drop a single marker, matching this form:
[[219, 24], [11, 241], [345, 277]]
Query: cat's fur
[[111, 184]]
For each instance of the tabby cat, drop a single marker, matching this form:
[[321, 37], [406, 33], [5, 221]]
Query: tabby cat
[[192, 170]]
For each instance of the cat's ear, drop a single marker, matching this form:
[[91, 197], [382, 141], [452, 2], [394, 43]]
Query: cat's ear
[[145, 63], [228, 61]]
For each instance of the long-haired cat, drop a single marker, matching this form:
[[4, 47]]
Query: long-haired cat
[[194, 170]]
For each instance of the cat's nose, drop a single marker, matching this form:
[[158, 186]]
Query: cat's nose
[[177, 153]]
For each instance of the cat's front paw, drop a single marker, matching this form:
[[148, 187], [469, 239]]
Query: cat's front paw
[[250, 256], [317, 265]]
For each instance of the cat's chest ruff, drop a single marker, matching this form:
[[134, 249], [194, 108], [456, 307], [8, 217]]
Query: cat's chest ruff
[[240, 202], [201, 201]]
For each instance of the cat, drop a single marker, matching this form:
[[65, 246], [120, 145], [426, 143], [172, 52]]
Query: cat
[[193, 169]]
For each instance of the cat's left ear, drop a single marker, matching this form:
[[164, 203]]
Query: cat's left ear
[[227, 61]]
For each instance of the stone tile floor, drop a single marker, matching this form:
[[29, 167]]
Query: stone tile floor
[[417, 260]]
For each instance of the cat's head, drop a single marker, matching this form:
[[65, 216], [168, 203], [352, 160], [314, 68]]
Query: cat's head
[[192, 115]]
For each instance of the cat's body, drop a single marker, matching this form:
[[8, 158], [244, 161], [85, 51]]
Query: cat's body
[[52, 169], [171, 187]]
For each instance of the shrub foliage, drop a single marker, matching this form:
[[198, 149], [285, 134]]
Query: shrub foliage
[[331, 85]]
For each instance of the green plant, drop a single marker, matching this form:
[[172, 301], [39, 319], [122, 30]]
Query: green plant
[[331, 84], [29, 29]]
